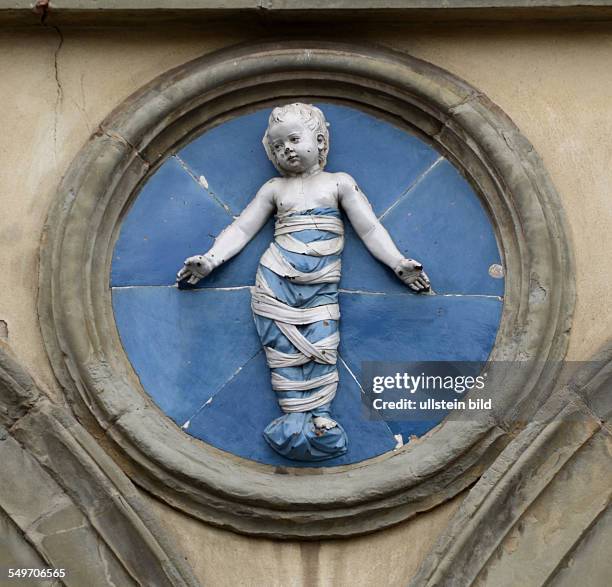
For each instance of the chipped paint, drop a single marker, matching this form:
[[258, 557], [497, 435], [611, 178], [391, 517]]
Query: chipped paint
[[496, 271], [203, 183]]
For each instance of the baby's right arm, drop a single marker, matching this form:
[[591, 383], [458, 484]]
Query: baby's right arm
[[233, 238]]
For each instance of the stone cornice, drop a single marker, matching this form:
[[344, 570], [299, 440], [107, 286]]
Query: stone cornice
[[122, 12]]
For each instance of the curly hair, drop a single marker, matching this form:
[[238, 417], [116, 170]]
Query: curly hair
[[312, 118]]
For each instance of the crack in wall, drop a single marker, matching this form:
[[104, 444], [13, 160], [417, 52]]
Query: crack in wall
[[80, 105], [118, 137], [382, 420], [60, 91], [42, 9], [28, 405], [187, 423], [204, 185], [175, 286], [411, 187], [100, 545], [472, 96], [408, 293], [58, 504]]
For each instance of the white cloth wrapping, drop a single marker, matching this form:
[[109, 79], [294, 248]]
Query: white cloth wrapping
[[287, 318], [316, 400], [332, 246], [286, 224], [322, 351], [274, 260], [269, 307]]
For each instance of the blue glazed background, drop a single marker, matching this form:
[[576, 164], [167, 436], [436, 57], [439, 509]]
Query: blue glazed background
[[197, 353]]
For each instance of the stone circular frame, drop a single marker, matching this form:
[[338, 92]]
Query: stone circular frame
[[84, 348]]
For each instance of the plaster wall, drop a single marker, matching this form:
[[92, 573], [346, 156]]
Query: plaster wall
[[389, 558], [57, 85]]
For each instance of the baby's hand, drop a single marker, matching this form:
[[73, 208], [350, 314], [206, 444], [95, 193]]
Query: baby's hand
[[194, 269], [411, 273]]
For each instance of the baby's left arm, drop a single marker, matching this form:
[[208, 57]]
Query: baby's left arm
[[375, 236]]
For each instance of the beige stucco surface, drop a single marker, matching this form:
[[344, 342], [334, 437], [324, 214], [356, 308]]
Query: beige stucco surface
[[388, 558], [554, 82]]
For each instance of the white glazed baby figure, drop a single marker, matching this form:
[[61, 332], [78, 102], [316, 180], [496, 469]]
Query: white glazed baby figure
[[295, 151], [306, 200]]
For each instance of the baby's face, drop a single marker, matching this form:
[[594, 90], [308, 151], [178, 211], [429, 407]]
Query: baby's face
[[294, 145]]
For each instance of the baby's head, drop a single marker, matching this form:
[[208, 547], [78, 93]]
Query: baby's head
[[309, 118]]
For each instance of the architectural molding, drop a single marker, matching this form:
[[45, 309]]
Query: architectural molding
[[561, 459], [63, 498], [122, 12], [86, 353]]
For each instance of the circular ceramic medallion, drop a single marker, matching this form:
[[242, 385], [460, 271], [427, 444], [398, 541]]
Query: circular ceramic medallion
[[197, 353], [175, 380]]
